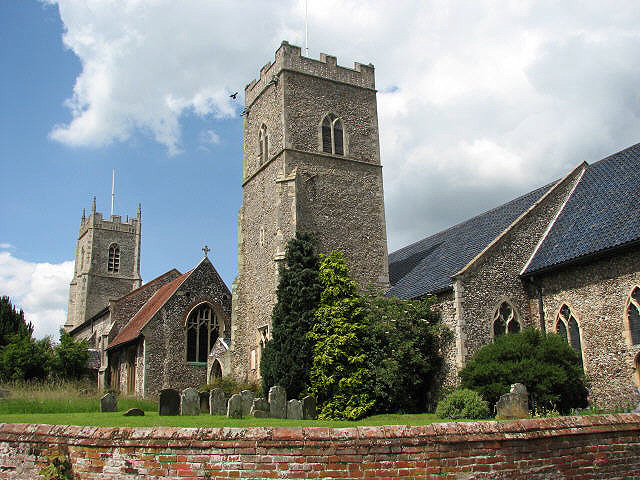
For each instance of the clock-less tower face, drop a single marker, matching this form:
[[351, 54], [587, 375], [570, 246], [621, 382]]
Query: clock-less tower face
[[311, 163]]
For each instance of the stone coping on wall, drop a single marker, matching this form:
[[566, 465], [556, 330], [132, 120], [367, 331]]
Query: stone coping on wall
[[225, 437]]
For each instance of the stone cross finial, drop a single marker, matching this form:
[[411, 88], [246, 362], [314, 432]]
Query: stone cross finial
[[206, 250]]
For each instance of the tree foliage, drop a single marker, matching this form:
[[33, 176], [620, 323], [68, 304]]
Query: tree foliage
[[405, 339], [287, 357], [463, 403], [70, 357], [26, 359], [341, 376], [12, 322], [544, 363]]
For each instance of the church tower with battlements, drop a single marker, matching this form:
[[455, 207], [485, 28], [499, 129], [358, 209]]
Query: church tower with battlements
[[107, 264], [311, 163]]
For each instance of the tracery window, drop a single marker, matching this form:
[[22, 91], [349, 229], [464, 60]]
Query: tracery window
[[332, 135], [202, 333], [114, 258], [263, 144], [567, 327], [505, 320], [633, 315]]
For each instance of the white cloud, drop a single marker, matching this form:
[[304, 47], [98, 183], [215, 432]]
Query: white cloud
[[40, 289], [479, 101], [209, 137], [6, 246]]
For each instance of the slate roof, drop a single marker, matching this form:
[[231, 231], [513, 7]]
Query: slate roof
[[132, 329], [602, 213], [427, 265]]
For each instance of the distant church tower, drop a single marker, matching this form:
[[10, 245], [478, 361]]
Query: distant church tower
[[107, 264], [311, 163]]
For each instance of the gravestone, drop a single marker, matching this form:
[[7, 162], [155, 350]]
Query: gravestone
[[277, 402], [218, 402], [309, 408], [247, 401], [134, 412], [109, 403], [4, 393], [294, 409], [260, 408], [190, 404], [204, 402], [169, 402], [514, 404], [234, 408]]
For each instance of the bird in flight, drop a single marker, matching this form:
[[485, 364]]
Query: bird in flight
[[234, 95]]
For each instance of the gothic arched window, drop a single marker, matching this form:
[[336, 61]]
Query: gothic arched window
[[202, 333], [567, 327], [263, 144], [505, 320], [633, 315], [114, 258], [332, 135]]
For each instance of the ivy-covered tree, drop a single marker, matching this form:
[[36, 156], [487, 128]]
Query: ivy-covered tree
[[544, 363], [70, 357], [341, 377], [12, 322], [405, 341], [286, 359]]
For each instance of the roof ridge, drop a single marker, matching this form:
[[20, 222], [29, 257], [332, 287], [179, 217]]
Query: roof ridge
[[608, 157], [144, 285]]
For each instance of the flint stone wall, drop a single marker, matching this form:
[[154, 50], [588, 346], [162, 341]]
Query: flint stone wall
[[598, 446]]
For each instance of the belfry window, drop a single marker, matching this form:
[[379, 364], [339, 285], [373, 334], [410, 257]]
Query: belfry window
[[332, 135], [263, 144], [114, 258], [202, 333], [504, 320], [633, 315], [567, 327]]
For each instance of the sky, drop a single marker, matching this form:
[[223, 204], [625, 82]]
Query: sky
[[478, 102]]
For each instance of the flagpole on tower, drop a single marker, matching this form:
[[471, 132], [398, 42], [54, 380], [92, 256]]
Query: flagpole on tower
[[113, 189], [306, 29]]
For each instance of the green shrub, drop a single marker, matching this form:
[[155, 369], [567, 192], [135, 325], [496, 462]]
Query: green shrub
[[463, 403], [230, 386], [544, 363]]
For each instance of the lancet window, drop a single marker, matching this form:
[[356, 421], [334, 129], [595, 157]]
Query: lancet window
[[505, 320], [114, 258], [202, 332], [567, 327], [263, 144], [633, 315], [332, 135]]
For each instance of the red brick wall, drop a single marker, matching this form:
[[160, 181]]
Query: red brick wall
[[592, 447]]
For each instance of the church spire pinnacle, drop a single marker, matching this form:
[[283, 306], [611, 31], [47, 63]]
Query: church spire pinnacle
[[93, 206], [139, 211], [84, 216]]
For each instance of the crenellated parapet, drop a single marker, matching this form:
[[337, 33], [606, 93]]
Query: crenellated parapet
[[289, 57]]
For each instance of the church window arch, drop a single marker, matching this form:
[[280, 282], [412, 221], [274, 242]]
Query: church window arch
[[332, 135], [114, 258], [505, 320], [202, 331], [632, 312], [263, 144], [568, 328]]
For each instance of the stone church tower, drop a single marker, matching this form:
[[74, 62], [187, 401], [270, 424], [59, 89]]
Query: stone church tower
[[107, 264], [311, 163]]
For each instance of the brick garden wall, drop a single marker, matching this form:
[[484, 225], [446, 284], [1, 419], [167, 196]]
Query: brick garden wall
[[590, 447]]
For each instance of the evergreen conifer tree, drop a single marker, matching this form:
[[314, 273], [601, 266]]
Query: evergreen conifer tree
[[12, 322], [286, 359]]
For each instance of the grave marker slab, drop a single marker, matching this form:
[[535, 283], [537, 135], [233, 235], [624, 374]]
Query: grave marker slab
[[190, 402], [109, 403], [169, 402], [277, 402]]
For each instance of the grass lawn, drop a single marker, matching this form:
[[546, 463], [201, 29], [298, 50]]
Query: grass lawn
[[151, 419]]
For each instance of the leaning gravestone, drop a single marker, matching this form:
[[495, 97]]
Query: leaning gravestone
[[169, 402], [217, 402], [190, 404], [277, 402], [294, 409], [309, 408], [109, 403], [134, 412], [247, 401], [234, 408], [260, 408], [514, 404], [204, 402]]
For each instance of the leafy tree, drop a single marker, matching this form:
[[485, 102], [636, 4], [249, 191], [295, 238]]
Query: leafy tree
[[26, 359], [463, 403], [341, 376], [12, 322], [405, 341], [70, 357], [544, 363], [286, 359]]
